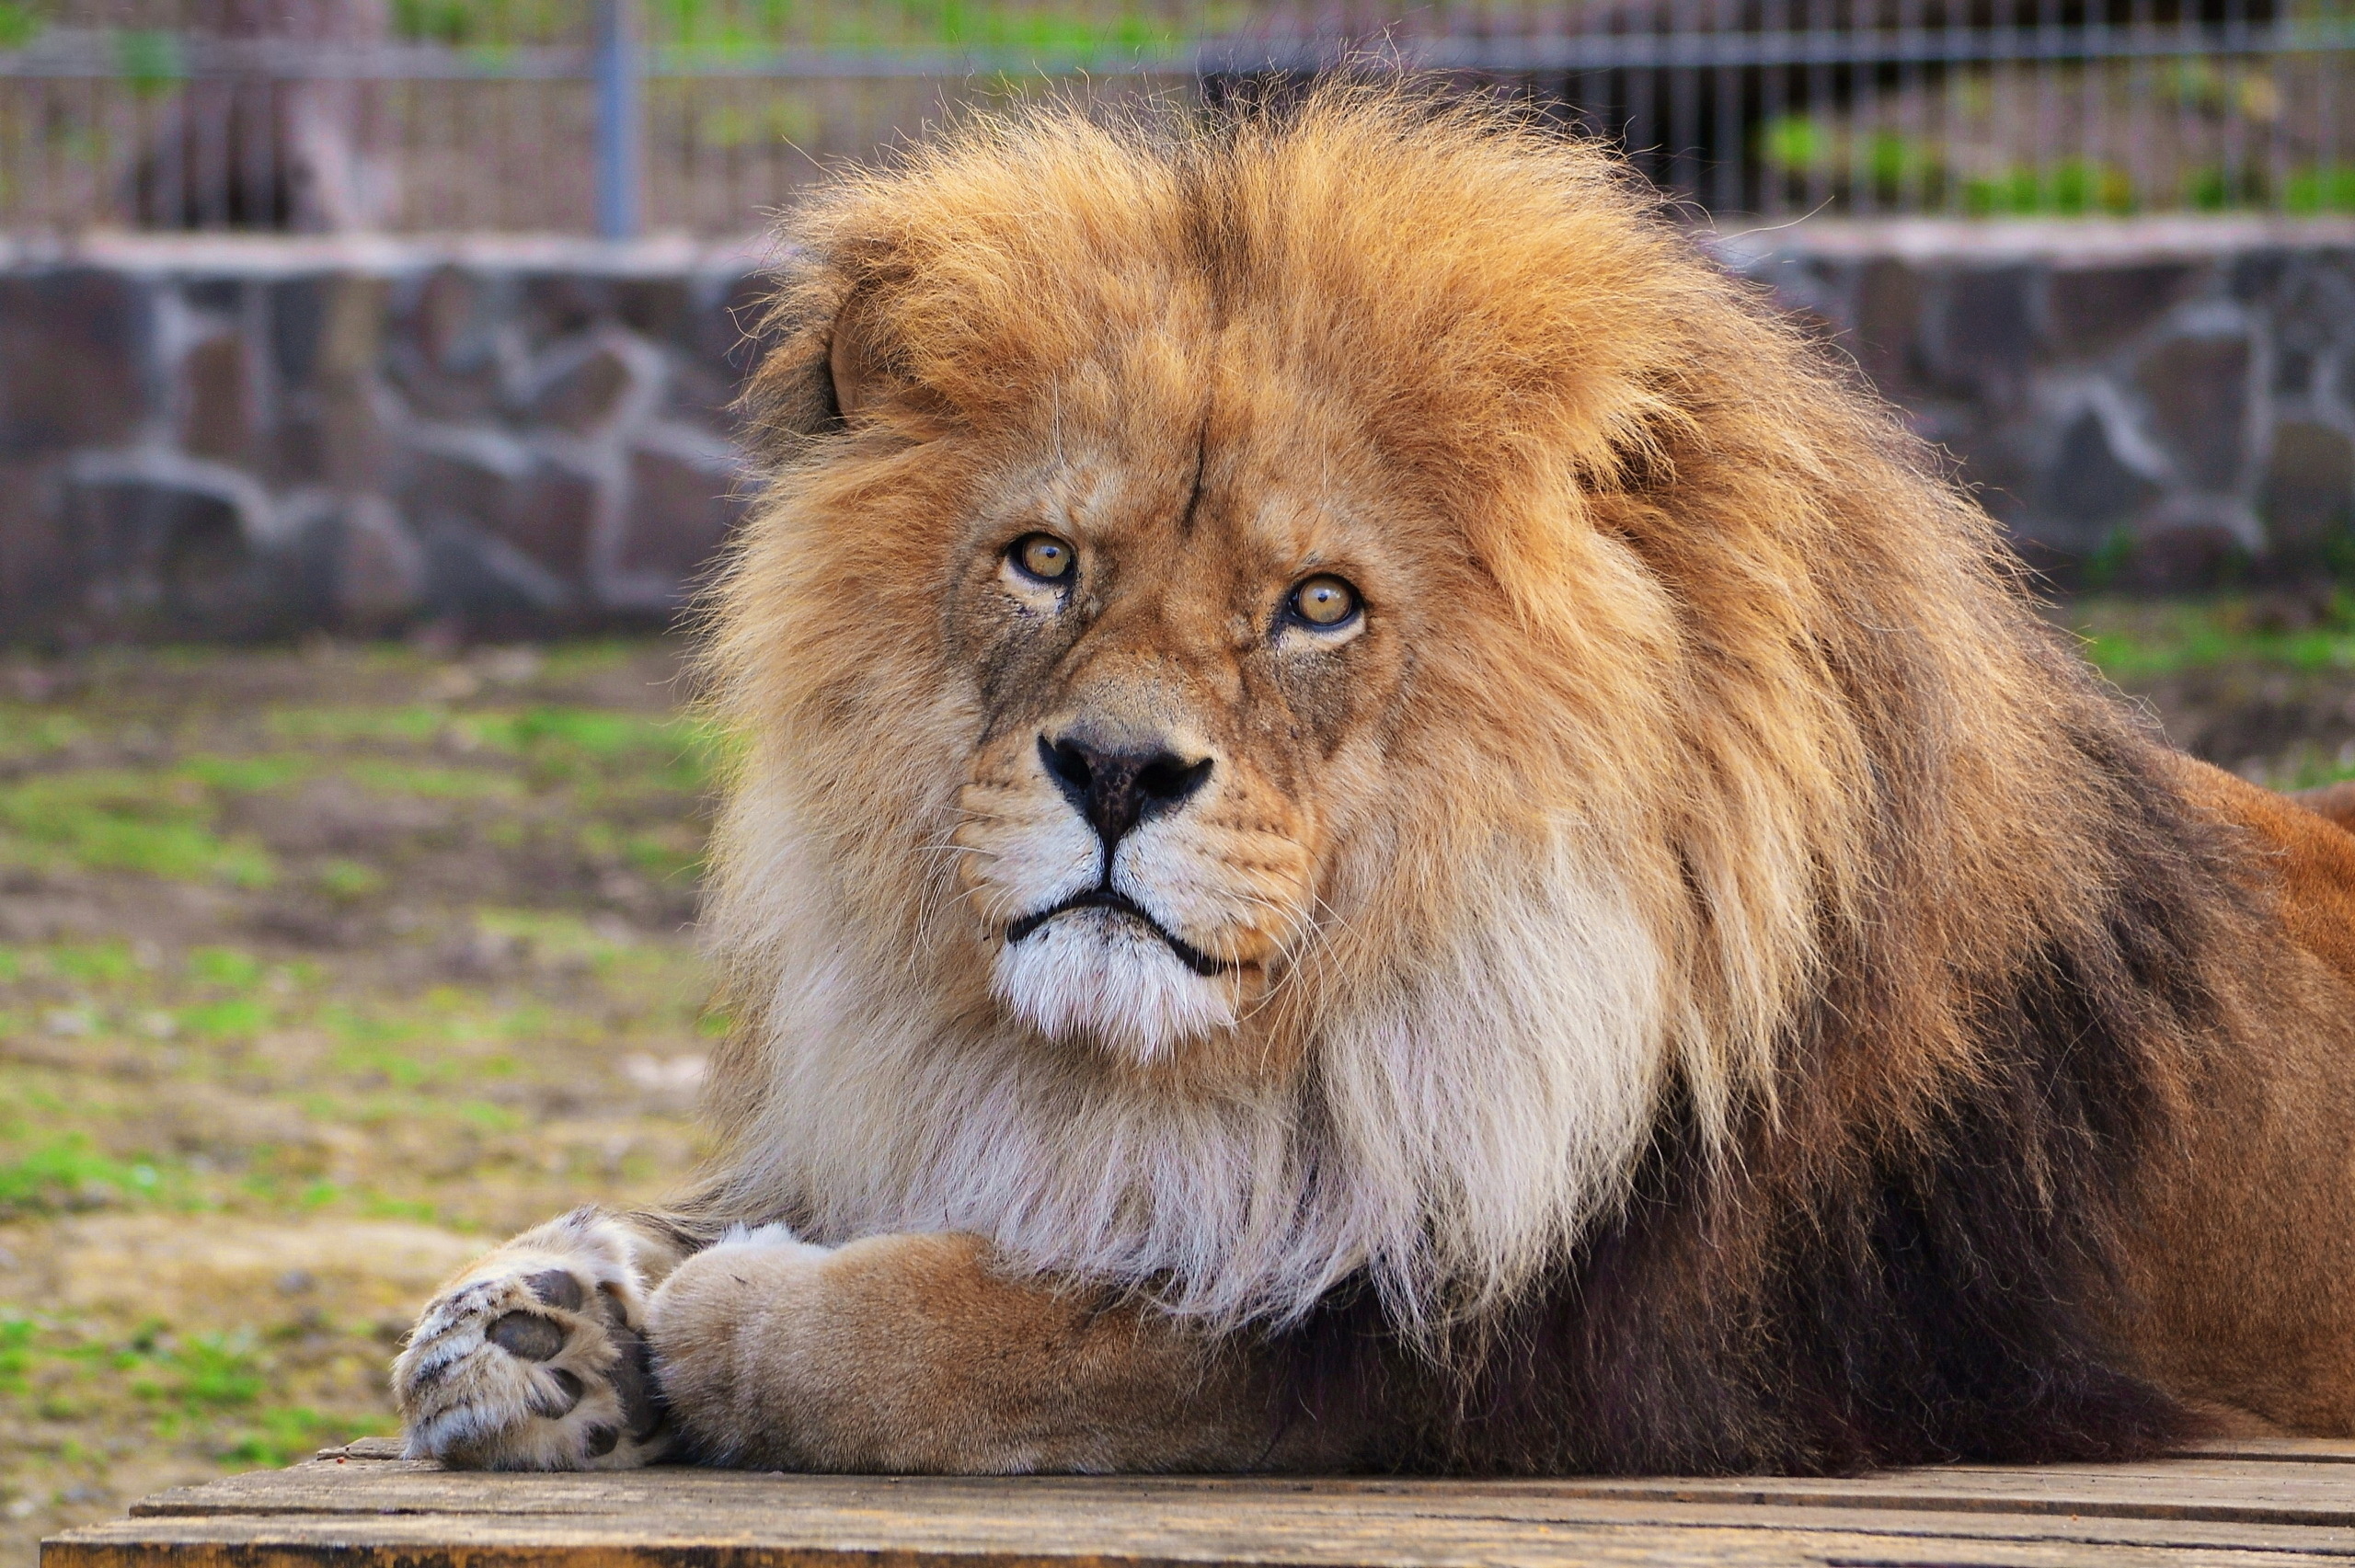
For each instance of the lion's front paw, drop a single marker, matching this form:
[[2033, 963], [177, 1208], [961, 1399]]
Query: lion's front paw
[[533, 1363]]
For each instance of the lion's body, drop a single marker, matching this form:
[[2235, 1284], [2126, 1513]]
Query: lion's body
[[1668, 963]]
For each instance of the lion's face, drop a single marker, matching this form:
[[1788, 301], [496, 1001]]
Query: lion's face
[[1182, 662], [1289, 691]]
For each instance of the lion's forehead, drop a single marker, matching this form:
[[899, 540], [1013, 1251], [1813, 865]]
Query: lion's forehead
[[1204, 513]]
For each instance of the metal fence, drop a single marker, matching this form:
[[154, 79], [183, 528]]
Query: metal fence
[[703, 114]]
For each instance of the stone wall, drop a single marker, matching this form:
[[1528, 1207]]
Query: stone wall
[[2162, 404], [235, 437], [227, 437]]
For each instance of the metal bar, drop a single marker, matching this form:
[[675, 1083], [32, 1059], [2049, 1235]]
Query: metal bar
[[621, 122], [96, 54]]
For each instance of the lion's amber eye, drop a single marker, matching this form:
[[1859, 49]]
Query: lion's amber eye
[[1325, 602], [1042, 555]]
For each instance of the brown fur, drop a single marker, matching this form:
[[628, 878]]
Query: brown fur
[[1696, 977]]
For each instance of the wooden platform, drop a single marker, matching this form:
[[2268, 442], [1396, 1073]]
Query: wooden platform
[[2236, 1504]]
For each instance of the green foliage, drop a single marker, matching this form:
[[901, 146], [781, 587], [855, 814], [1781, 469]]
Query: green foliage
[[64, 1172], [155, 823], [412, 725], [431, 783], [222, 967], [2327, 187], [2068, 187], [350, 880], [149, 60], [211, 1371], [2161, 640], [36, 732], [1795, 141], [287, 1435], [20, 24]]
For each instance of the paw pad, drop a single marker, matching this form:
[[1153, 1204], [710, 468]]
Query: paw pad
[[557, 1287], [526, 1336]]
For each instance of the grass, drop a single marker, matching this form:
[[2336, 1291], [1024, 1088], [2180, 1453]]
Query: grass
[[318, 971], [2136, 641]]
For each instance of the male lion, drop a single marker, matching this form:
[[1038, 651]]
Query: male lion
[[1384, 827]]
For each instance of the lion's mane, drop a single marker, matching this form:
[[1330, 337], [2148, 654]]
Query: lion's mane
[[1732, 1047]]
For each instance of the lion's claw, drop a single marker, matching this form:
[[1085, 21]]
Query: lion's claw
[[536, 1364]]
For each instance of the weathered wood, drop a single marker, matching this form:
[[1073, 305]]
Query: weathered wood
[[2244, 1503]]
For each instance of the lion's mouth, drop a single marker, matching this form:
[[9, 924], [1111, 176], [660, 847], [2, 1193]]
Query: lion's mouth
[[1191, 956]]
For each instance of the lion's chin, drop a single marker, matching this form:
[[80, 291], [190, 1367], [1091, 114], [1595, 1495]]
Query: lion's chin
[[1097, 975]]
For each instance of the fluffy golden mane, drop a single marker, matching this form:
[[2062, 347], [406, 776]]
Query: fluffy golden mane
[[1382, 824], [1718, 778]]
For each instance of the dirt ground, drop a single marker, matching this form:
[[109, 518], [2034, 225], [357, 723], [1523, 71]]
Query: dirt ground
[[318, 970], [321, 968]]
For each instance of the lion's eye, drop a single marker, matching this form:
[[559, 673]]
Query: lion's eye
[[1042, 556], [1325, 602]]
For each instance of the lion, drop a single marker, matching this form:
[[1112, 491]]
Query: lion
[[1384, 825]]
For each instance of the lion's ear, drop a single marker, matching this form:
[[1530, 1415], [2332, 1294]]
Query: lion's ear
[[825, 369], [857, 379]]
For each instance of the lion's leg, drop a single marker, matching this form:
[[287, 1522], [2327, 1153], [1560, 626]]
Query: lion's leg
[[535, 1356], [911, 1353]]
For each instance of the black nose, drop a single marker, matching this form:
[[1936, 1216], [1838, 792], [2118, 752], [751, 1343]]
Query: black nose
[[1117, 790]]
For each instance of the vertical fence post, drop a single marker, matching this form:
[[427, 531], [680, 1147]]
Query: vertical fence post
[[621, 122]]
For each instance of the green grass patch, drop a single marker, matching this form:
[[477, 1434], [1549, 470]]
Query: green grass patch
[[65, 1171], [413, 724], [157, 824], [284, 1437], [27, 733], [349, 880], [249, 775], [432, 782], [223, 967], [2131, 642]]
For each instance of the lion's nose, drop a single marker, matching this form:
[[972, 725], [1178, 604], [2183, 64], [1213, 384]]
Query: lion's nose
[[1115, 790]]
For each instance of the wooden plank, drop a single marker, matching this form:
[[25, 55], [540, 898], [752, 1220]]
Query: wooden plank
[[2245, 1491], [359, 1505], [424, 1540], [2301, 1450]]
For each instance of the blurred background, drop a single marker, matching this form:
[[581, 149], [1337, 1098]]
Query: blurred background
[[365, 372]]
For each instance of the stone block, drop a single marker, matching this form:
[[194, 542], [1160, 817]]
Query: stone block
[[40, 571], [2293, 373], [552, 307], [659, 308], [216, 400], [442, 350], [2197, 390], [2307, 496], [1986, 334], [331, 436], [2091, 310], [695, 392], [2256, 275], [477, 579], [74, 361], [170, 559], [451, 320], [379, 567], [326, 327], [680, 513], [584, 394], [2087, 488], [1887, 333], [2186, 557], [540, 509], [215, 296]]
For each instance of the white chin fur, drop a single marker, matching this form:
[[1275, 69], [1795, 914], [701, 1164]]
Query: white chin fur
[[1097, 975]]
